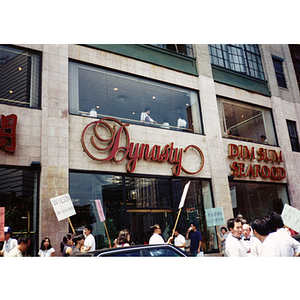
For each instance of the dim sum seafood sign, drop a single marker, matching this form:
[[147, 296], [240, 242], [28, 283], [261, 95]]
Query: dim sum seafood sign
[[108, 139], [267, 162]]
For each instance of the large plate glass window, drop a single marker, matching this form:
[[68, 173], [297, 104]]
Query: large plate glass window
[[19, 77], [254, 200], [246, 122], [98, 92], [18, 194], [136, 203]]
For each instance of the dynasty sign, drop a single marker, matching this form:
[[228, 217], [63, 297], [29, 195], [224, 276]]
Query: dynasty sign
[[109, 140]]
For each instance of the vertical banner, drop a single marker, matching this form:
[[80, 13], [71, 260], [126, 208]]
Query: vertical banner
[[2, 223], [100, 210]]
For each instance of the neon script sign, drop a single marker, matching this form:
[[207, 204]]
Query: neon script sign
[[108, 142]]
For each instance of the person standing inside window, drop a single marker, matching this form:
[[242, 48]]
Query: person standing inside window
[[145, 118]]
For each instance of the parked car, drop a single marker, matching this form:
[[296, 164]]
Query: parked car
[[162, 250]]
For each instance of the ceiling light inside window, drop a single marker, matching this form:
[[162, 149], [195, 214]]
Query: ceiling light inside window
[[115, 89], [153, 97], [20, 69], [11, 91]]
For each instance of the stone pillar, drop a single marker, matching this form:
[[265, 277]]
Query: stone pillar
[[54, 141]]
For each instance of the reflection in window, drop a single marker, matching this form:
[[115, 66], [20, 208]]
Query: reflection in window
[[186, 49], [18, 194], [260, 199], [19, 77], [278, 66], [84, 190], [100, 93], [293, 135], [136, 203], [243, 58], [246, 122]]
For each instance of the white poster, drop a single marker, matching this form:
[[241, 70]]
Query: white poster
[[63, 206], [214, 216], [291, 217]]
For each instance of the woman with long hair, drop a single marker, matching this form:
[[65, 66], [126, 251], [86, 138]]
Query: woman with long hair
[[123, 238], [46, 250]]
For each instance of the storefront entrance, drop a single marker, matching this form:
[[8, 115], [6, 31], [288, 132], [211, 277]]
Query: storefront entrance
[[136, 203]]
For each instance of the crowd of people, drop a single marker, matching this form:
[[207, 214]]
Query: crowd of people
[[263, 237]]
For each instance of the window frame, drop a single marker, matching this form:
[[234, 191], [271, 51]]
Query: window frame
[[221, 56], [192, 112], [279, 73], [38, 79], [204, 201], [295, 146], [266, 113]]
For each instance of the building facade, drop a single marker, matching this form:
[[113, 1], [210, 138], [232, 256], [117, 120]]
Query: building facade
[[130, 125]]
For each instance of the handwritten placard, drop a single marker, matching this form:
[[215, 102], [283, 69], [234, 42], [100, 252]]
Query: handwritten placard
[[291, 217], [214, 216], [63, 206]]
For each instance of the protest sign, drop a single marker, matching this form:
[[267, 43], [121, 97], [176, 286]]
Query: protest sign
[[100, 210], [291, 217], [185, 190], [214, 216], [63, 206], [102, 217], [2, 223]]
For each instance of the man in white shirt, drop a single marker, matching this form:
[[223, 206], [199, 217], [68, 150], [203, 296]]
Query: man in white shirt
[[250, 241], [181, 123], [287, 245], [156, 238], [145, 116], [23, 245], [9, 242], [89, 242], [269, 247], [233, 245], [179, 240]]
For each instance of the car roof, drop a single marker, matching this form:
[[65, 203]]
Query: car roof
[[100, 252]]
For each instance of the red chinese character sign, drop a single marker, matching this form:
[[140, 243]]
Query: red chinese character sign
[[8, 125], [108, 139]]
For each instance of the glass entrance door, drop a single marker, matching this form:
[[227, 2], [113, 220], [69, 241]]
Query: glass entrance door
[[140, 220]]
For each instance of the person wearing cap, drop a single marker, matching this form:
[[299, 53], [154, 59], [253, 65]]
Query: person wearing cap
[[9, 242]]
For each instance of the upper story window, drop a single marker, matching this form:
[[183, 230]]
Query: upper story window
[[186, 49], [98, 92], [19, 77], [278, 66], [242, 58], [293, 135], [246, 122]]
